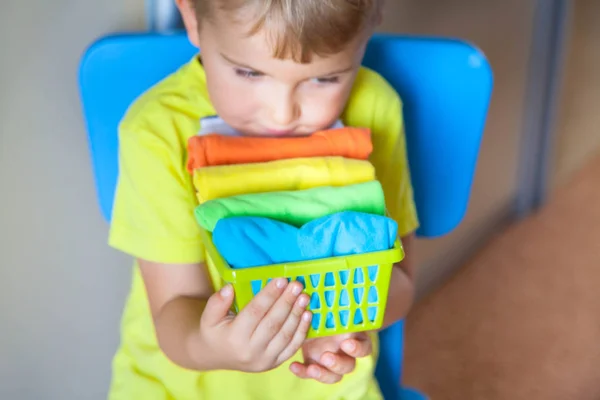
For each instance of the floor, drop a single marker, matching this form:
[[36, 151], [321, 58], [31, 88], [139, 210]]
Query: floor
[[522, 320]]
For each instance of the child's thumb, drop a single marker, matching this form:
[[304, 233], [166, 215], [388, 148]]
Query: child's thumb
[[218, 305]]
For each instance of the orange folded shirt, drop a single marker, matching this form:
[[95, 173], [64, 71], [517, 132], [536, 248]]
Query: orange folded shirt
[[214, 149]]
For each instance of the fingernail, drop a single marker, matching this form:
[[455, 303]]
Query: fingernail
[[303, 301], [281, 283], [328, 361], [226, 291], [296, 290], [307, 316], [315, 373], [350, 346]]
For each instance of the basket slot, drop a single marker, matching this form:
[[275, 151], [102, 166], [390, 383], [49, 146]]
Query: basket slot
[[315, 301], [330, 321], [372, 313], [358, 295], [344, 277], [358, 317], [344, 317], [344, 298], [315, 280], [316, 321], [329, 280], [358, 276], [256, 286], [330, 298], [373, 271], [373, 297]]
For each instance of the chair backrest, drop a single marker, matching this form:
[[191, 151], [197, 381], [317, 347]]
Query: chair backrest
[[445, 86]]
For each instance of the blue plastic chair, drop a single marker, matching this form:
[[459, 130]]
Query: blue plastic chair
[[445, 85]]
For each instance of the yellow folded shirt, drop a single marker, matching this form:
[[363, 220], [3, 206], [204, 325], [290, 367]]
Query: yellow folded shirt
[[282, 175]]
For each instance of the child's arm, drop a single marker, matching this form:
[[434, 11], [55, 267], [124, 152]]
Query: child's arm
[[196, 330], [401, 291]]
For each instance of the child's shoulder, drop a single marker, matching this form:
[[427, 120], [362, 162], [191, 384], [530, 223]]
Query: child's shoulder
[[372, 98], [179, 97]]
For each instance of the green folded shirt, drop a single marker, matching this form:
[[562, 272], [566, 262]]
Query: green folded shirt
[[295, 207]]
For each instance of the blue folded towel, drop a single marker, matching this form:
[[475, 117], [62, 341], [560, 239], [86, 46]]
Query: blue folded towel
[[255, 241]]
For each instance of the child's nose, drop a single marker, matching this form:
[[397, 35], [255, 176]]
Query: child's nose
[[285, 110]]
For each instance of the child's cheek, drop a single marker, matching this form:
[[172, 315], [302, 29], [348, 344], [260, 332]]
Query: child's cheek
[[323, 112]]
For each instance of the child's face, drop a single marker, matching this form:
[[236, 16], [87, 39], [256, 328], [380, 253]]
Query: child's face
[[260, 95]]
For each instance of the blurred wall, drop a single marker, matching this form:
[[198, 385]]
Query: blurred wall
[[61, 287], [578, 124], [502, 29]]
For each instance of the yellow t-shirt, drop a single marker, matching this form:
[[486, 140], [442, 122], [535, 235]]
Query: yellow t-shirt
[[153, 220]]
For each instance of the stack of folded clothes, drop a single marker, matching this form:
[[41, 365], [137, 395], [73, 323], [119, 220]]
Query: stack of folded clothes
[[281, 200]]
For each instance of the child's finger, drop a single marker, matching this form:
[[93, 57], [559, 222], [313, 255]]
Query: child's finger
[[315, 372], [273, 322], [298, 338], [300, 370], [248, 319], [218, 306], [322, 374], [357, 347], [339, 364], [288, 331]]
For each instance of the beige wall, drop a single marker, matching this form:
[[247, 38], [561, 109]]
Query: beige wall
[[502, 29], [578, 125], [61, 287]]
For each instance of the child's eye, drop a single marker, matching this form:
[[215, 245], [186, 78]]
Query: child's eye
[[247, 73], [327, 80]]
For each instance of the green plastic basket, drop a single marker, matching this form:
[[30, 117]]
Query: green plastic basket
[[348, 294]]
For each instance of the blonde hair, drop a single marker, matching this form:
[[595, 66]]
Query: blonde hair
[[297, 29]]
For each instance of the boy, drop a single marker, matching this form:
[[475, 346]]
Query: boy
[[267, 67]]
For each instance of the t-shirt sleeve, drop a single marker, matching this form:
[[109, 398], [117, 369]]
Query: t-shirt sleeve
[[391, 164], [153, 211]]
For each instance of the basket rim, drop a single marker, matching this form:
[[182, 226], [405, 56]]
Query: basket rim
[[331, 264]]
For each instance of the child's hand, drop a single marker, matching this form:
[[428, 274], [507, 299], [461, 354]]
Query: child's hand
[[328, 359], [266, 333]]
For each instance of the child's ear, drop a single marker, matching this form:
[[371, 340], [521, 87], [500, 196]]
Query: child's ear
[[190, 20]]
